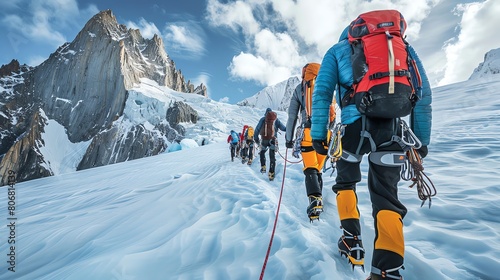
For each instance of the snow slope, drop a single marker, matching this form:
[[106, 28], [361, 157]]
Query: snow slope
[[194, 214]]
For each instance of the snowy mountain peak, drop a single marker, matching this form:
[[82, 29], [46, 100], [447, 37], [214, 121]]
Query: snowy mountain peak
[[275, 96], [490, 66]]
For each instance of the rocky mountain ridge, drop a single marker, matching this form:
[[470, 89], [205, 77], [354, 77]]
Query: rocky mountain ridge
[[84, 86]]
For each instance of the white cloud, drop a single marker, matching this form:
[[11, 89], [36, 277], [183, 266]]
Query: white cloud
[[44, 20], [279, 48], [38, 30], [13, 4], [275, 55], [186, 39], [478, 29], [224, 100], [250, 67], [148, 29], [234, 15], [318, 25], [61, 13], [282, 35]]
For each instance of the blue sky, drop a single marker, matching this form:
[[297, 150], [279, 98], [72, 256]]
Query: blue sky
[[238, 47]]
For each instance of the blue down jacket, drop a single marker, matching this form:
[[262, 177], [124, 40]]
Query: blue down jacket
[[336, 68]]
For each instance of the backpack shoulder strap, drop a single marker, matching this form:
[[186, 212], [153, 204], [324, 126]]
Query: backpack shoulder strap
[[309, 74], [307, 93], [348, 96]]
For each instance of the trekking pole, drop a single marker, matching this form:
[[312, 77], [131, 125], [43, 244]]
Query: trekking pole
[[275, 221]]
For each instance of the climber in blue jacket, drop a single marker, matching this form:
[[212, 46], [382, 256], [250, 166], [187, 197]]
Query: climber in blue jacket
[[336, 76]]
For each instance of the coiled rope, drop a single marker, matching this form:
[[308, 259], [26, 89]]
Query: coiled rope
[[414, 170]]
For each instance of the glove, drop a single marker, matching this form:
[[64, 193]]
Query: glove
[[423, 151], [289, 144], [320, 147]]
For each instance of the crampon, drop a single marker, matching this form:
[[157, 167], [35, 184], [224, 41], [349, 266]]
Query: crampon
[[315, 207], [351, 247]]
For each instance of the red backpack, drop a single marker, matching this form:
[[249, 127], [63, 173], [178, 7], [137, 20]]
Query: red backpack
[[267, 131], [382, 80]]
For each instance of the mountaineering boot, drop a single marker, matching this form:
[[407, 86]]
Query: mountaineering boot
[[315, 207], [351, 247], [392, 273], [271, 176], [249, 162], [243, 160], [263, 169], [379, 277]]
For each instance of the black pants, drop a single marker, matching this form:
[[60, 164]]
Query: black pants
[[265, 144], [232, 147], [247, 150], [387, 210]]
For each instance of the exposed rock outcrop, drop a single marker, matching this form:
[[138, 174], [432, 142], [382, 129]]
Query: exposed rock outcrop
[[24, 156], [181, 112], [114, 145]]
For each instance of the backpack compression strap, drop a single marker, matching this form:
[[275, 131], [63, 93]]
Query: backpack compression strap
[[391, 62], [308, 97]]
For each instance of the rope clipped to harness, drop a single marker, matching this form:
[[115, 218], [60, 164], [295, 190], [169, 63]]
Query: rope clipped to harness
[[413, 170]]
